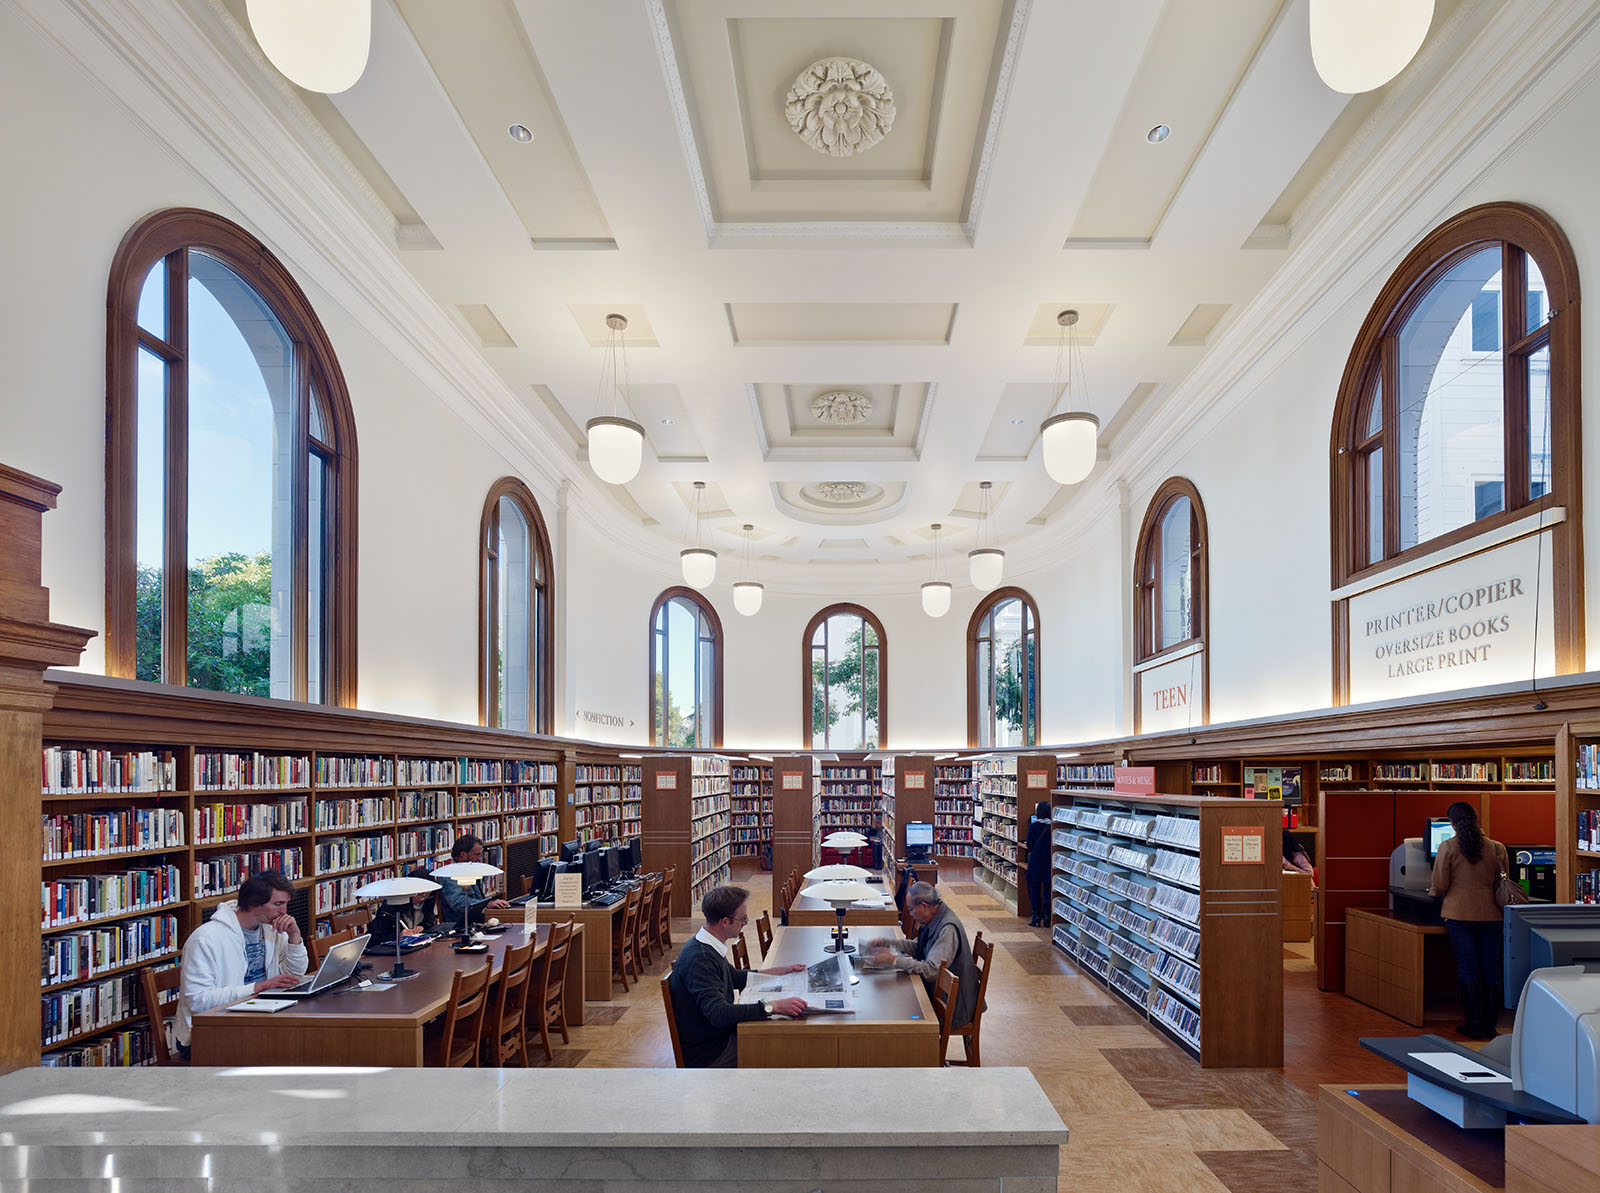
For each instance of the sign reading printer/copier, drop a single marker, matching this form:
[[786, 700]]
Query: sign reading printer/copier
[[1463, 625]]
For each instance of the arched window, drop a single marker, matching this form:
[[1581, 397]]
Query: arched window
[[685, 671], [231, 470], [845, 668], [1003, 671], [1458, 410], [515, 669], [1170, 610]]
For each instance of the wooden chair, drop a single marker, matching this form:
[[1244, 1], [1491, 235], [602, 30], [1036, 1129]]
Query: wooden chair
[[505, 1026], [795, 885], [318, 946], [672, 1020], [664, 920], [550, 982], [625, 940], [456, 1044], [357, 919], [527, 884], [648, 894], [650, 915], [785, 897], [741, 953], [154, 984], [944, 1004], [982, 957], [764, 934]]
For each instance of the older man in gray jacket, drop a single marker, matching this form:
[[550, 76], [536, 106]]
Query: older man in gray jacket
[[940, 938]]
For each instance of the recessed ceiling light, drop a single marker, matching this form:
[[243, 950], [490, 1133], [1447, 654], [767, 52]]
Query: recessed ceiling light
[[666, 422], [1016, 422], [520, 133], [1158, 134]]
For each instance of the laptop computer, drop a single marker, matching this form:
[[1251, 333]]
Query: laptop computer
[[338, 965]]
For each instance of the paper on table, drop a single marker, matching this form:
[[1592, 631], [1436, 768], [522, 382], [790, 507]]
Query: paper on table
[[1462, 1068], [262, 1004], [770, 987]]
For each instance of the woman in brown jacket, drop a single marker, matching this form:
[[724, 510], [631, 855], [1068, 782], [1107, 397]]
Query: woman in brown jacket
[[1465, 872]]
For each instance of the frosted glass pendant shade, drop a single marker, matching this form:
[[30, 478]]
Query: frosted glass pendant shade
[[1359, 45], [321, 45], [747, 597], [936, 598], [616, 446], [699, 566], [986, 566], [1070, 446]]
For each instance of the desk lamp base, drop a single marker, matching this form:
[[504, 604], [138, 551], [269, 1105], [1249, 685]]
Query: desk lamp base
[[841, 937]]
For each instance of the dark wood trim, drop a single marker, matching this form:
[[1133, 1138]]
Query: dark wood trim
[[1518, 226], [717, 702], [172, 233], [541, 654], [1010, 592], [883, 668], [1146, 623]]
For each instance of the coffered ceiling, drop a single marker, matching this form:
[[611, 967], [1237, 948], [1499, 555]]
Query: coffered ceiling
[[921, 273]]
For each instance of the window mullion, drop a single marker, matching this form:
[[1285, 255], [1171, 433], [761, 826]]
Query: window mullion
[[1514, 374], [1389, 371], [175, 553], [299, 519], [492, 640]]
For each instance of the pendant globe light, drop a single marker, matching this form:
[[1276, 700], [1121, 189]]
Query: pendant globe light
[[747, 593], [1359, 45], [616, 443], [1070, 439], [985, 565], [321, 45], [936, 592], [699, 562]]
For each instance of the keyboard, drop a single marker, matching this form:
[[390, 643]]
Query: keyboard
[[609, 898]]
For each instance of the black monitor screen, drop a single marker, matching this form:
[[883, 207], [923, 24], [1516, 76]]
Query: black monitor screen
[[593, 870], [547, 891], [613, 862], [569, 850], [635, 856]]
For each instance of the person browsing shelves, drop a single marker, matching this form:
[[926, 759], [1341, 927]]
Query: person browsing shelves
[[703, 981], [250, 945], [940, 938], [452, 894]]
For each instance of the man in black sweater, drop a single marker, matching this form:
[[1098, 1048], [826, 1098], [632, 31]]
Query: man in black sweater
[[703, 982]]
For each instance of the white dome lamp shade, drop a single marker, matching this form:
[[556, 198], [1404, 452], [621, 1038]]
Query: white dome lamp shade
[[699, 566], [616, 448], [321, 45], [985, 567], [1071, 443], [1359, 45], [747, 597], [936, 597]]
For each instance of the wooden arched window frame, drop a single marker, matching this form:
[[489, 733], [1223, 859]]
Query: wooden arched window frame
[[1151, 636], [881, 653], [318, 496], [982, 671], [708, 630], [1370, 534], [533, 643]]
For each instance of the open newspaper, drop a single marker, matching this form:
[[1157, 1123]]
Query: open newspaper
[[825, 986]]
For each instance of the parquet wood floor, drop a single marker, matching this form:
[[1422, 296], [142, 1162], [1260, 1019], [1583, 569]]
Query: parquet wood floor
[[1143, 1115]]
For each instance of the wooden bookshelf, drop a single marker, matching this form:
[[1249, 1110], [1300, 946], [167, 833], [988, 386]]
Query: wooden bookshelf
[[1173, 903], [914, 797], [687, 807], [752, 807], [954, 810], [794, 815], [1008, 786], [850, 796]]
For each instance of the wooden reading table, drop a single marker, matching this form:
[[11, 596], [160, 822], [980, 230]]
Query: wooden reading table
[[893, 1025], [366, 1026], [808, 912]]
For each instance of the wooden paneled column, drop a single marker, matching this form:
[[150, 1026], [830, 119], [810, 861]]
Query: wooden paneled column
[[29, 642]]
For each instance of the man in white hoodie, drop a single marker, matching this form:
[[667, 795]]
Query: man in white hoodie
[[249, 945]]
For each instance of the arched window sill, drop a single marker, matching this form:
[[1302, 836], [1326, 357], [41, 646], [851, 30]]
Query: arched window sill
[[1504, 527]]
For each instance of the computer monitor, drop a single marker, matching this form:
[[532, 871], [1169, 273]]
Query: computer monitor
[[570, 850], [542, 876], [1538, 936], [635, 856], [919, 840], [611, 856], [1440, 830], [593, 871], [547, 891]]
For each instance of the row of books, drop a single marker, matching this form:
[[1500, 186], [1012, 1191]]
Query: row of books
[[477, 803], [527, 799], [223, 873], [426, 841], [337, 771], [341, 853], [488, 830], [75, 956], [216, 824], [229, 771], [336, 894], [368, 811], [708, 805], [117, 1050], [67, 771], [426, 805], [426, 771], [67, 1013], [111, 830], [78, 899]]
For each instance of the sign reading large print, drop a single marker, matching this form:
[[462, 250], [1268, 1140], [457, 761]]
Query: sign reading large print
[[1171, 695], [1463, 625]]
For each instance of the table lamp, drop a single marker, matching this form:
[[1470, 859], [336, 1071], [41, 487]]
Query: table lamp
[[839, 895], [837, 873], [396, 892], [844, 839], [466, 874]]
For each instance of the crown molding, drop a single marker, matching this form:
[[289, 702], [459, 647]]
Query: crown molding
[[174, 66]]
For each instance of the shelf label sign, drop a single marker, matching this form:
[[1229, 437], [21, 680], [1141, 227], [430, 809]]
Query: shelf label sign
[[915, 780], [1462, 625], [793, 781], [666, 781], [1243, 845], [1134, 780]]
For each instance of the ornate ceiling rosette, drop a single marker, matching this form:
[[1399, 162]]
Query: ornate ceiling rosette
[[841, 407], [840, 106], [841, 492]]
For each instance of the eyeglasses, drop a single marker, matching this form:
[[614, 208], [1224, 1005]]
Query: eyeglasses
[[744, 919]]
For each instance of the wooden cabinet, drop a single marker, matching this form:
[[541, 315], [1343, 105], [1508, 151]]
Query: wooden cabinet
[[1393, 964]]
